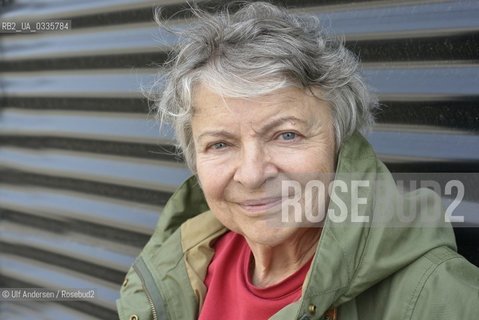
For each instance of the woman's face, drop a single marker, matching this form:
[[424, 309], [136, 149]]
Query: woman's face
[[247, 148]]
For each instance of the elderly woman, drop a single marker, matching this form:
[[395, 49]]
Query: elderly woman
[[259, 99]]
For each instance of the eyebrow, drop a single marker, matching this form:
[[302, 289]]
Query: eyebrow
[[265, 128], [279, 121], [216, 133]]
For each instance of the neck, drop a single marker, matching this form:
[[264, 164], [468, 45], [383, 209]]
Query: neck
[[272, 264]]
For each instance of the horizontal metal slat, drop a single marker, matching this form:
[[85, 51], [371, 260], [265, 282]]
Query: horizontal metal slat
[[23, 10], [467, 209], [413, 82], [66, 245], [448, 49], [108, 104], [371, 23], [110, 83], [122, 127], [117, 148], [67, 205], [103, 235], [460, 115], [423, 82], [137, 38], [94, 167], [376, 20], [426, 146], [48, 276], [445, 49], [41, 311], [114, 191]]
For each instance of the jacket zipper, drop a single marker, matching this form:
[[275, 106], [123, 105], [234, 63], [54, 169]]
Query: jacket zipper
[[139, 266]]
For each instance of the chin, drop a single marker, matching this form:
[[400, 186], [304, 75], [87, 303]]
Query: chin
[[268, 236]]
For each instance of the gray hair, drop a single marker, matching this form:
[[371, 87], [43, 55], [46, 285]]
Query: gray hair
[[254, 51]]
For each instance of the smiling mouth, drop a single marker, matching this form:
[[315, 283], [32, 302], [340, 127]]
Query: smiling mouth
[[260, 205]]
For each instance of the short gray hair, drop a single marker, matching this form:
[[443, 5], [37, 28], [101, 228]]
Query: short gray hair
[[254, 51]]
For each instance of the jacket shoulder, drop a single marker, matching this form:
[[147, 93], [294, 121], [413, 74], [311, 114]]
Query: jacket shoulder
[[447, 287], [439, 285]]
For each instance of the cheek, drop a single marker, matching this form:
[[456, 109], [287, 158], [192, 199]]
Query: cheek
[[214, 190], [324, 157], [327, 160], [212, 180], [312, 162]]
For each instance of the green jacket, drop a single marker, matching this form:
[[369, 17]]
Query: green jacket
[[366, 271]]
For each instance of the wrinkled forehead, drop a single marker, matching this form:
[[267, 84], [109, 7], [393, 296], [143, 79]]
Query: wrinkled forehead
[[293, 106], [238, 83], [207, 99]]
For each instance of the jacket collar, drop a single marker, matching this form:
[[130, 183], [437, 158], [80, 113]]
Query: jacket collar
[[353, 256]]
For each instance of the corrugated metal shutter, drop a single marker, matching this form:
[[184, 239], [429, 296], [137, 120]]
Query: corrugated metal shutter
[[84, 173]]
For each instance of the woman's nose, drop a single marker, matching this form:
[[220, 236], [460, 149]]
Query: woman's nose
[[254, 167]]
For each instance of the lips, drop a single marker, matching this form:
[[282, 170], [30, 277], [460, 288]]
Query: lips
[[256, 206]]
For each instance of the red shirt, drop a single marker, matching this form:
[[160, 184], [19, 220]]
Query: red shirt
[[232, 296]]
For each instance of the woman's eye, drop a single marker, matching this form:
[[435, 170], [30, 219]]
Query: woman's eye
[[219, 145], [288, 136]]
